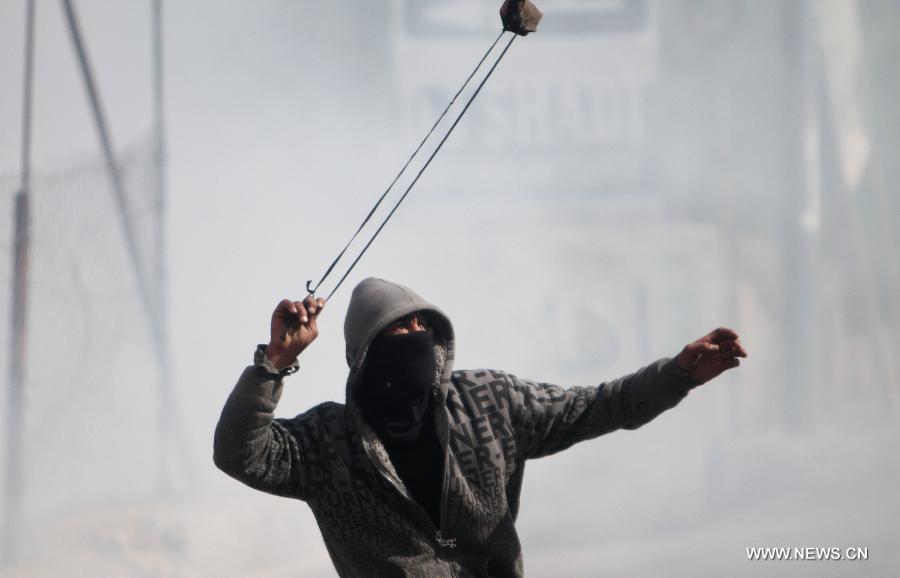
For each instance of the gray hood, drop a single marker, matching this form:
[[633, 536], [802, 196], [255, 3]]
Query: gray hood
[[377, 303]]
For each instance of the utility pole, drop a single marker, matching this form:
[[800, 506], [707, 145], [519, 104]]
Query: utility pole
[[151, 278], [112, 166], [14, 489], [167, 410]]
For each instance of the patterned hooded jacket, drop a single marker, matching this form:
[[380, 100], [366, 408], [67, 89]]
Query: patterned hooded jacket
[[489, 422]]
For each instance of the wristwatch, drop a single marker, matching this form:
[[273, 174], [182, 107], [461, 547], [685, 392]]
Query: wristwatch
[[266, 369]]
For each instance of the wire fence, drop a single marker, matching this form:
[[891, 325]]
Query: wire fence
[[90, 386]]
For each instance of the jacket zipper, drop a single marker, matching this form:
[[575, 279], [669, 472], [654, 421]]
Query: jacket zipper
[[384, 473], [446, 542]]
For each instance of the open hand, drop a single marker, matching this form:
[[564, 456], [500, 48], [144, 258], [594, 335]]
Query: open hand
[[293, 329], [712, 354]]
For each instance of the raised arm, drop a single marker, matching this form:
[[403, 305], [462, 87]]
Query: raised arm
[[548, 418], [250, 445]]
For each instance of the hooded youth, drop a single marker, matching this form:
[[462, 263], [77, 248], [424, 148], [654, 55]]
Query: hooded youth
[[424, 481]]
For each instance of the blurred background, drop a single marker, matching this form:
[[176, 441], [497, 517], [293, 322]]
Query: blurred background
[[633, 175]]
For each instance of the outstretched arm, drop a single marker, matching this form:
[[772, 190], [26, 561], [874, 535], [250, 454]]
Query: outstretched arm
[[250, 445], [548, 418]]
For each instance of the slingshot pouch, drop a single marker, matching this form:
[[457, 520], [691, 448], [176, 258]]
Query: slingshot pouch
[[520, 16]]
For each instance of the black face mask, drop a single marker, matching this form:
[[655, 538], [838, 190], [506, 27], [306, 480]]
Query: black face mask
[[394, 390]]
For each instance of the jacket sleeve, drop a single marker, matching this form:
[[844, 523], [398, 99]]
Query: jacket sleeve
[[272, 455], [547, 418]]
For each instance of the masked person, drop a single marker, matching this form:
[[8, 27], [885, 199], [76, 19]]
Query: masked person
[[419, 472]]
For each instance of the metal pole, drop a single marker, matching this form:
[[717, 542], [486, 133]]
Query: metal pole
[[112, 167], [151, 295], [167, 410], [159, 157], [14, 490]]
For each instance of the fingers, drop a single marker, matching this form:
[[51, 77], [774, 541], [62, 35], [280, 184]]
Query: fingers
[[693, 352], [295, 317], [700, 347], [303, 311], [317, 306], [734, 348], [721, 334], [728, 341], [313, 305], [712, 354], [293, 329], [284, 313], [290, 316], [285, 308], [313, 308], [302, 316]]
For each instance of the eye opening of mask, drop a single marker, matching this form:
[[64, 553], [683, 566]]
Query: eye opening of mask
[[415, 322]]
